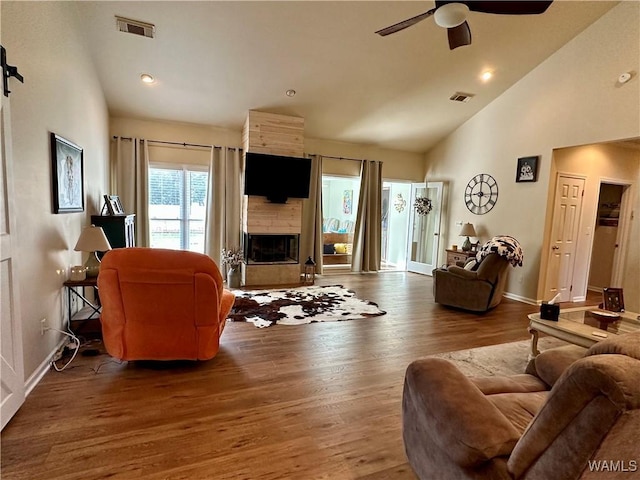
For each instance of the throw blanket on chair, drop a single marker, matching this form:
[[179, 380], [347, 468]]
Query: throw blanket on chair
[[505, 246]]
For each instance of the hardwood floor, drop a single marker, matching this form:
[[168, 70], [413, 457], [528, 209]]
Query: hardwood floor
[[318, 401]]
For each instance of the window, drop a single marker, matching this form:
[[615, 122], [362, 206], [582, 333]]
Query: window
[[177, 206], [339, 211], [339, 203]]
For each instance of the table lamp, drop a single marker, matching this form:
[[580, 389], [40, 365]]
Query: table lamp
[[467, 231], [92, 240]]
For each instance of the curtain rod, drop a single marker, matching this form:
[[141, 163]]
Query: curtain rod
[[342, 158], [218, 146], [172, 143]]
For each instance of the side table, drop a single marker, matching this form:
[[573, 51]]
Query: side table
[[455, 256], [76, 288]]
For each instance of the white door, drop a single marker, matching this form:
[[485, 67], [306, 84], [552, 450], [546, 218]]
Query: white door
[[564, 234], [424, 228], [12, 369]]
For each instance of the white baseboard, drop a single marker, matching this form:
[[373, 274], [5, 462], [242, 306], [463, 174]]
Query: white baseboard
[[42, 369], [594, 289], [519, 298]]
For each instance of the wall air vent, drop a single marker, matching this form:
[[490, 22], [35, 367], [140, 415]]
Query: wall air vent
[[136, 27], [461, 97]]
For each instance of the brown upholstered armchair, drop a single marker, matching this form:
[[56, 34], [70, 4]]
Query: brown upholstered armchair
[[478, 290], [580, 411], [161, 304]]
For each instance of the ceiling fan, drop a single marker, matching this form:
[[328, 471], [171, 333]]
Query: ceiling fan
[[452, 15]]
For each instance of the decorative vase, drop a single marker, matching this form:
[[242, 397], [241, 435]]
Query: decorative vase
[[233, 278]]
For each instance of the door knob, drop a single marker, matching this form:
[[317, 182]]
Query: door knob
[[555, 247]]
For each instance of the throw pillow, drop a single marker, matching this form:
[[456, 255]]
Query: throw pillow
[[341, 248], [328, 249], [471, 265]]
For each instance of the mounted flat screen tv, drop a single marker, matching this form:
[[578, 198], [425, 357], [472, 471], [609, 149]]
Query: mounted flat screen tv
[[276, 177]]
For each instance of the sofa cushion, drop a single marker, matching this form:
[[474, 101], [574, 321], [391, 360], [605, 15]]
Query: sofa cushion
[[550, 364], [523, 383], [580, 409], [627, 344], [518, 397], [519, 408], [449, 403], [328, 249]]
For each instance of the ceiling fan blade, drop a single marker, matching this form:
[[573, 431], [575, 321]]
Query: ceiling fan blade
[[405, 23], [459, 36], [508, 8]]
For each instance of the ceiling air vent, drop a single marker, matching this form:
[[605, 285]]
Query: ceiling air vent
[[136, 27], [461, 97]]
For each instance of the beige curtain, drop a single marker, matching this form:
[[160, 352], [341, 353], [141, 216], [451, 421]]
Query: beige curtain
[[224, 202], [311, 236], [367, 237], [129, 173]]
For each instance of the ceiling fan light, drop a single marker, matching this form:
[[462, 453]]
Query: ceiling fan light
[[451, 15]]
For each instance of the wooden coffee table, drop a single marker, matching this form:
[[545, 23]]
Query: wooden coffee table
[[578, 326]]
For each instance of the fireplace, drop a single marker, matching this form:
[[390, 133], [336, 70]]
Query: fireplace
[[261, 249]]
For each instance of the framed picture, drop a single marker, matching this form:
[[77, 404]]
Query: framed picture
[[347, 202], [67, 175], [527, 169], [114, 205], [613, 299]]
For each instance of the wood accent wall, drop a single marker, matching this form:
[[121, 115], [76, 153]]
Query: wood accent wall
[[272, 218], [272, 134]]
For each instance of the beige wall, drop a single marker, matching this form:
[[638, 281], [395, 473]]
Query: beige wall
[[61, 94], [572, 98], [397, 165], [603, 163]]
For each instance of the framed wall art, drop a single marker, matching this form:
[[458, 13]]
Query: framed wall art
[[347, 202], [113, 204], [613, 299], [527, 170], [67, 174]]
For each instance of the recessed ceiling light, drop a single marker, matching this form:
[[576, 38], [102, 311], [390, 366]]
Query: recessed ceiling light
[[290, 93], [486, 75], [146, 78]]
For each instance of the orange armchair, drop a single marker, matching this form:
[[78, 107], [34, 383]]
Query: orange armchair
[[161, 304]]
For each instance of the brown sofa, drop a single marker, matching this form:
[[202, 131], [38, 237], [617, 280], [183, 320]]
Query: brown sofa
[[477, 291], [577, 406]]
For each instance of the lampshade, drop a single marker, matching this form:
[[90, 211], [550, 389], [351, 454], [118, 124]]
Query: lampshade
[[451, 15], [467, 230], [92, 239]]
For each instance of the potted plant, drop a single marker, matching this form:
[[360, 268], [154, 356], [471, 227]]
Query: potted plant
[[232, 258]]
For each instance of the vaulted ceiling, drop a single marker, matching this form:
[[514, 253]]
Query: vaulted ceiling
[[214, 61]]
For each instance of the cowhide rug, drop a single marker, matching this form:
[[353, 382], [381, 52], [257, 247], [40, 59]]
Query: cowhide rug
[[297, 306]]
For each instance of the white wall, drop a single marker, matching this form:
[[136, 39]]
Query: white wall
[[62, 94], [572, 98]]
